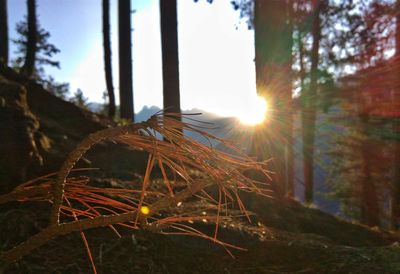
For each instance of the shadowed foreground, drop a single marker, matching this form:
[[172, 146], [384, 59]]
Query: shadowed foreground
[[284, 237]]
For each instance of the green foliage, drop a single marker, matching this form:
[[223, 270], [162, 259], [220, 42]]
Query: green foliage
[[346, 176]]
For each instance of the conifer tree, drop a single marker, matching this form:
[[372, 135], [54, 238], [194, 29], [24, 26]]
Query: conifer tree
[[170, 58], [3, 32], [125, 60], [31, 58], [32, 39], [273, 60], [395, 211], [107, 58]]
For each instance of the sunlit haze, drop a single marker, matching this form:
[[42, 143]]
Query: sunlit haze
[[255, 112], [216, 53]]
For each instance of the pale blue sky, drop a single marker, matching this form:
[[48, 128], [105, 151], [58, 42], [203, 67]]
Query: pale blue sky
[[216, 51]]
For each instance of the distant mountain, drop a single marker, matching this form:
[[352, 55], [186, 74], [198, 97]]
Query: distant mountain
[[146, 113], [95, 107], [221, 127]]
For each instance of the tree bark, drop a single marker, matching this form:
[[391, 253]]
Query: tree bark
[[125, 60], [107, 58], [309, 108], [3, 32], [170, 58], [369, 196], [395, 211], [273, 54], [31, 47], [290, 188]]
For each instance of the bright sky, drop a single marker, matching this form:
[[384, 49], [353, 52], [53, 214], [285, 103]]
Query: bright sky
[[216, 52]]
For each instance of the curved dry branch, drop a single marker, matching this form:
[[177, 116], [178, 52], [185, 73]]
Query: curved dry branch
[[55, 231], [74, 157], [194, 165]]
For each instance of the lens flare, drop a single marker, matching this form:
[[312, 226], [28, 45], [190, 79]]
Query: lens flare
[[254, 112], [145, 210]]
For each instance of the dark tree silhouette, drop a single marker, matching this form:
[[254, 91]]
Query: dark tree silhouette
[[273, 57], [44, 50], [107, 57], [369, 194], [3, 32], [290, 132], [309, 107], [170, 59], [125, 60], [31, 49], [79, 99], [270, 43]]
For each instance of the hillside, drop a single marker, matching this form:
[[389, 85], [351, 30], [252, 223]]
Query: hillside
[[284, 236]]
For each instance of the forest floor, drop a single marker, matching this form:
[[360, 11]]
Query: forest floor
[[284, 236], [313, 242]]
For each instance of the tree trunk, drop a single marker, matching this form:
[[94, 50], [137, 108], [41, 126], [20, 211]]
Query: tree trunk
[[395, 212], [273, 54], [290, 158], [3, 32], [290, 140], [125, 60], [107, 58], [309, 109], [369, 196], [31, 48], [170, 58], [302, 70]]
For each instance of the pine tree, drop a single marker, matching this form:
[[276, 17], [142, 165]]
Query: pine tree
[[32, 40], [395, 193], [107, 58], [125, 60], [43, 50], [79, 99], [309, 108], [170, 58], [273, 60], [3, 32], [362, 155]]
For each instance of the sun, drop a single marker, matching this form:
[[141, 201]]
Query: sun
[[254, 111]]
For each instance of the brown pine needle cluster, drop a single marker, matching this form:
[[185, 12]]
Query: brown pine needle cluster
[[190, 173]]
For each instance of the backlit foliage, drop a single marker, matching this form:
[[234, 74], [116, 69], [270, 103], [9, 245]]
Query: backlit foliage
[[197, 184]]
